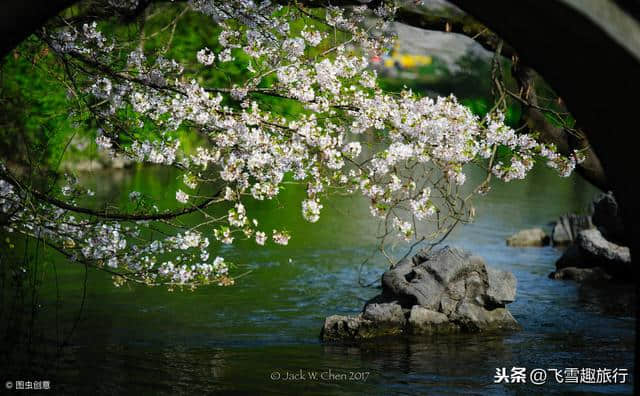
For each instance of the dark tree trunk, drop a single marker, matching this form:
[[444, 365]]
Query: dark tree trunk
[[566, 142], [20, 18], [595, 68]]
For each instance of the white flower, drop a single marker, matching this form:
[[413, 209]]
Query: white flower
[[225, 55], [103, 142], [206, 56], [281, 237], [189, 181], [237, 216], [404, 228], [312, 37], [67, 190], [238, 93], [113, 262], [229, 194], [261, 238], [352, 150], [422, 207], [395, 184], [293, 48], [181, 196], [311, 210], [223, 235]]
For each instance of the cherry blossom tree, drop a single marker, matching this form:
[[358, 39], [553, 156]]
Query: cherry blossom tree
[[142, 103]]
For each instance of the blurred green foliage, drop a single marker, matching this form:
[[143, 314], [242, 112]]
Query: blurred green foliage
[[36, 124], [40, 116]]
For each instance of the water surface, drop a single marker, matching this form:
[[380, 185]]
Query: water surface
[[232, 340]]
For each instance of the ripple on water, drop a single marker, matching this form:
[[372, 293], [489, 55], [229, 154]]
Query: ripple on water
[[220, 340]]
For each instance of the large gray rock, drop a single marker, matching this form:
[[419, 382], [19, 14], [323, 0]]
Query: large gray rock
[[433, 293], [411, 285], [592, 250], [595, 251], [529, 237], [426, 321], [607, 217], [596, 248], [474, 318], [567, 228], [502, 288], [385, 313]]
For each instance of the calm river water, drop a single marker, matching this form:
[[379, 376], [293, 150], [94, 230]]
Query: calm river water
[[235, 339]]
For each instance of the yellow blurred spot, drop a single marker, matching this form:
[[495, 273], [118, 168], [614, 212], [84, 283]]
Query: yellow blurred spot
[[407, 61]]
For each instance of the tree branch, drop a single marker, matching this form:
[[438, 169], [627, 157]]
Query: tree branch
[[533, 116], [565, 139], [105, 214]]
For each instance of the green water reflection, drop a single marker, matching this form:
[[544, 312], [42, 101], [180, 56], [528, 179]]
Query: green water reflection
[[150, 341]]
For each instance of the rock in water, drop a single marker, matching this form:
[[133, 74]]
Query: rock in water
[[530, 237], [592, 250], [596, 274], [567, 228], [438, 292], [607, 217], [595, 252], [426, 321]]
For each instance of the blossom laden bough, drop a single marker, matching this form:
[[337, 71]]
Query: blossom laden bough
[[414, 172]]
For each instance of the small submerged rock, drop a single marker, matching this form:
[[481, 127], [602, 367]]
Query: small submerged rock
[[596, 274], [441, 292], [529, 237]]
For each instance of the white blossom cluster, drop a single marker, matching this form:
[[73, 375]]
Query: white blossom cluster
[[86, 40], [118, 247], [423, 144]]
